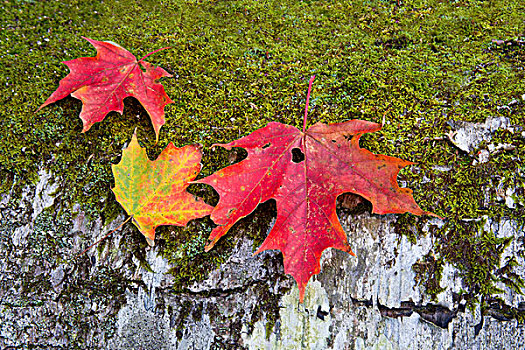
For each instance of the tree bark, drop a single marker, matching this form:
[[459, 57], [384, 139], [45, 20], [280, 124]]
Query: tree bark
[[107, 299]]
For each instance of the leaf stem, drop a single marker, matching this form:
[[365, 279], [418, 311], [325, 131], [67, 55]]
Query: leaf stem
[[151, 53], [307, 102], [103, 238], [383, 121]]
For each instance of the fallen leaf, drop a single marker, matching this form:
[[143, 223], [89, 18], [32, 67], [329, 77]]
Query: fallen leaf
[[305, 172], [102, 82], [154, 192]]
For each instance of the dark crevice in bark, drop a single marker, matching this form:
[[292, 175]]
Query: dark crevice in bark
[[436, 314], [442, 316], [367, 303]]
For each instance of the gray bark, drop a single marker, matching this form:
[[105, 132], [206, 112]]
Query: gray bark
[[107, 300]]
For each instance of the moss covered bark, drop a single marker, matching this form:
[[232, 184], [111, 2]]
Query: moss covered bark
[[238, 65]]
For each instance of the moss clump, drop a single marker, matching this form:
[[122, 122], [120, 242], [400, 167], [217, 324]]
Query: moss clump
[[185, 309], [498, 309], [53, 286], [184, 249], [428, 274], [409, 226]]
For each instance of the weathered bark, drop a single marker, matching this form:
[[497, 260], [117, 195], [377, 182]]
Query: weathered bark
[[106, 300]]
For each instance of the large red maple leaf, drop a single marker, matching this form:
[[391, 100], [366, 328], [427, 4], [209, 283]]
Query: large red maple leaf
[[305, 171], [102, 82]]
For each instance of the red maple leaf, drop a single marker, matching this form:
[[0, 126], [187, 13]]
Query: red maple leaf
[[305, 171], [102, 82]]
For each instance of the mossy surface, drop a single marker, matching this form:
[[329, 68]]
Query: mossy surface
[[238, 65]]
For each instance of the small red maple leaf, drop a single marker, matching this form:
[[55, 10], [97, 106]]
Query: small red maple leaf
[[305, 171], [102, 82]]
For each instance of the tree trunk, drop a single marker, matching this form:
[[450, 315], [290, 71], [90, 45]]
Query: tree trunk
[[108, 299]]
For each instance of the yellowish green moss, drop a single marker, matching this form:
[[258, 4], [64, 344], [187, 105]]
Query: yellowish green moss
[[428, 273], [237, 65]]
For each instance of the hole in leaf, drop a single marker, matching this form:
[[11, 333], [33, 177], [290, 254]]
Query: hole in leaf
[[353, 203], [237, 155], [297, 155], [266, 146]]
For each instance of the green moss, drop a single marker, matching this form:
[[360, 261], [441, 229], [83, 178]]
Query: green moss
[[267, 309], [184, 249], [185, 309], [428, 274], [409, 226], [237, 65], [498, 309], [51, 275]]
